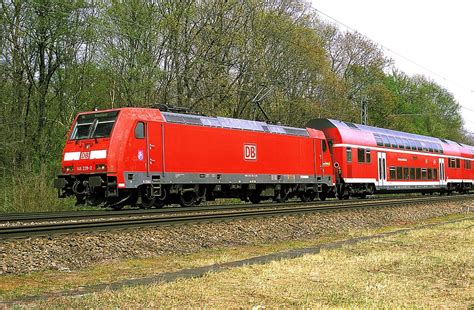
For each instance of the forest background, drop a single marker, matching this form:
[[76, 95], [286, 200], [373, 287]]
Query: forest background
[[216, 57]]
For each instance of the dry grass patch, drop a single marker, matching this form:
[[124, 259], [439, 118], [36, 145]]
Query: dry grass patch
[[16, 286], [427, 268]]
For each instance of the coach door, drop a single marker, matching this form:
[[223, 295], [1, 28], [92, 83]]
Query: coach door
[[442, 175], [382, 168]]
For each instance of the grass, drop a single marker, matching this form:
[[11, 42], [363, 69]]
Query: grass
[[16, 286], [424, 268], [27, 191]]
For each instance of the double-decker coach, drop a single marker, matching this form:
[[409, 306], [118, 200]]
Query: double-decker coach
[[376, 160]]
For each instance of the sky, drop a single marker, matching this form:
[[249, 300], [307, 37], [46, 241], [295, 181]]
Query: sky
[[436, 35]]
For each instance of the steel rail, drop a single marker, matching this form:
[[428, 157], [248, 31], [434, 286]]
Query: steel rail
[[80, 215], [23, 231]]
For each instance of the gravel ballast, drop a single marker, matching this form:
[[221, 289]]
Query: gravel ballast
[[80, 250]]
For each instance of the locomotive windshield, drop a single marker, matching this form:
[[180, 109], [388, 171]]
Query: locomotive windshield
[[94, 125]]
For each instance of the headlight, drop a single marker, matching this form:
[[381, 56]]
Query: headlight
[[68, 169], [100, 167]]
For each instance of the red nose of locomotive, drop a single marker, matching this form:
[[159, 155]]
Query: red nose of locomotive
[[85, 157], [85, 161]]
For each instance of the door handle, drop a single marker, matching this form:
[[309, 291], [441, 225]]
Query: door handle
[[152, 161], [152, 145]]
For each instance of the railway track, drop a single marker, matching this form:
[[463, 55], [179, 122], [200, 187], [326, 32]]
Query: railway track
[[38, 217], [101, 223]]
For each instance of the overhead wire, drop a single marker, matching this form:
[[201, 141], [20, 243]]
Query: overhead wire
[[401, 56]]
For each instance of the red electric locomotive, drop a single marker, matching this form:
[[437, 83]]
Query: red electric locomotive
[[146, 157], [376, 160]]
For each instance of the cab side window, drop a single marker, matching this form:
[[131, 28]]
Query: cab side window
[[324, 145], [140, 130]]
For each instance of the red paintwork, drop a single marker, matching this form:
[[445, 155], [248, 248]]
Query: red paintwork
[[395, 158], [199, 149]]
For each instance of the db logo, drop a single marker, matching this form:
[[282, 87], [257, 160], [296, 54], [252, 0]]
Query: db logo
[[85, 155], [250, 151]]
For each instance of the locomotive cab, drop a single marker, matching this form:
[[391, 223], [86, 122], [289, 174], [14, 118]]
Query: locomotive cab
[[85, 163]]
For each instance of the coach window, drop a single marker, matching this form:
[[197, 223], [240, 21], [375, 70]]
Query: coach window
[[399, 173], [406, 175], [367, 156], [393, 142], [392, 173], [406, 143], [386, 141], [458, 163], [430, 174], [140, 130], [413, 145], [425, 149], [412, 173], [349, 154], [379, 140], [423, 174], [418, 173], [430, 147], [435, 174], [400, 143], [467, 164], [419, 147], [360, 155]]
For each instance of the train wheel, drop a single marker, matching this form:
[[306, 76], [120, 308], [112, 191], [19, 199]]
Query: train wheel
[[159, 203], [188, 199], [283, 195], [307, 196], [322, 196], [146, 203], [144, 199]]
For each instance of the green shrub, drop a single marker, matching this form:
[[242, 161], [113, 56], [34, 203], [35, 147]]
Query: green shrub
[[27, 191]]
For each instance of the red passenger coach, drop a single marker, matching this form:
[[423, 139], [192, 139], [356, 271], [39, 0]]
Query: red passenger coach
[[146, 157], [370, 160]]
